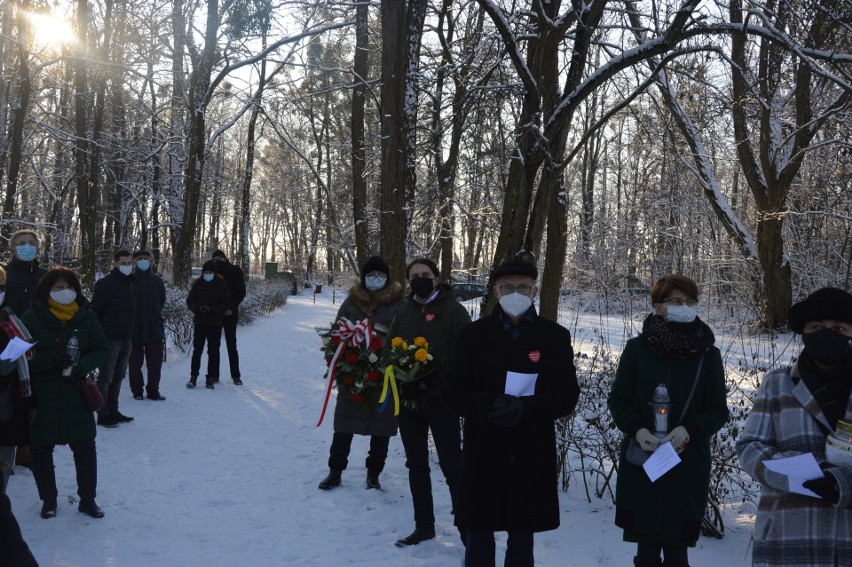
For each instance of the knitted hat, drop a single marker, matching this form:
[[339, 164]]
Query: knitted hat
[[375, 264], [218, 253], [140, 253], [210, 266], [515, 268], [828, 303]]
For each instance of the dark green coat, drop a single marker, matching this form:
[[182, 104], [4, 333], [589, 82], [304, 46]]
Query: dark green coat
[[62, 416], [669, 510]]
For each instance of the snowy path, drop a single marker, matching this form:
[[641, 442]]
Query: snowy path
[[229, 478]]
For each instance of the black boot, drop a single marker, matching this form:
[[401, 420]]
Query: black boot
[[415, 537], [91, 509], [373, 480], [48, 509], [192, 381], [641, 563], [332, 480]]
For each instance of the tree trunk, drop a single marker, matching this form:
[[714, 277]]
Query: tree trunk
[[360, 69]]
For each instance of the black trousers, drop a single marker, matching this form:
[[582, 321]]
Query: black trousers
[[230, 328], [480, 548], [414, 427], [85, 461], [212, 335], [151, 354], [341, 443], [648, 554]]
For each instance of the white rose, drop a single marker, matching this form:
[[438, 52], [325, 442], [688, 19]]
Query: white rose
[[373, 358]]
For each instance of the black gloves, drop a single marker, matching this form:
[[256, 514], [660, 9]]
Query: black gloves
[[62, 360], [204, 309], [506, 411], [825, 487]]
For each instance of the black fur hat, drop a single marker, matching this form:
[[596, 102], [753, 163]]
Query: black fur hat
[[829, 303], [375, 264]]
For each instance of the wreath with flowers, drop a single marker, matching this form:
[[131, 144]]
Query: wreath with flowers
[[353, 355]]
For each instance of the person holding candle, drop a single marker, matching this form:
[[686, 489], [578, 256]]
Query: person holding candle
[[674, 358], [796, 409]]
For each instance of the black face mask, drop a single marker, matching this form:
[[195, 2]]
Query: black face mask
[[828, 346], [422, 287]]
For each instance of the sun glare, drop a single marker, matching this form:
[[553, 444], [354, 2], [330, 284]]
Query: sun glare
[[52, 30]]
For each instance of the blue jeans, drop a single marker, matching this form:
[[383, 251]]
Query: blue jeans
[[479, 551], [111, 374]]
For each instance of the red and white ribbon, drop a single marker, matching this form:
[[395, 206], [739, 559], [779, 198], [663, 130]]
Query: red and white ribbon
[[350, 334]]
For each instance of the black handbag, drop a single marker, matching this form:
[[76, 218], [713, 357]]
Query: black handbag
[[635, 454]]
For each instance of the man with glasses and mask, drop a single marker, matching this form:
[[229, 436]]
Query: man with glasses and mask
[[511, 375]]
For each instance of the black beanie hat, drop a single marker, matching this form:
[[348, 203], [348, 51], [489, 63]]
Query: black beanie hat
[[140, 253], [829, 303], [516, 268], [218, 253], [375, 264], [210, 266]]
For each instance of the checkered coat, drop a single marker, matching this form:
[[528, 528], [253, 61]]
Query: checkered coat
[[792, 529]]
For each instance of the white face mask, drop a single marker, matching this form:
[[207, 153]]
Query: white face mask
[[373, 283], [64, 296], [681, 314], [515, 304], [125, 270]]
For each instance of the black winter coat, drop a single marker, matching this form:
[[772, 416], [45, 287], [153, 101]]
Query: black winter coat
[[509, 476], [112, 303], [15, 431], [21, 280], [236, 280], [214, 295], [149, 297]]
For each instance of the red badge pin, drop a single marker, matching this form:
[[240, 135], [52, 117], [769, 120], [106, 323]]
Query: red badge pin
[[430, 316], [534, 355]]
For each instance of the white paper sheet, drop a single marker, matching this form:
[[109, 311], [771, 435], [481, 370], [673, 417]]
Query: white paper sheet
[[661, 461], [797, 469], [518, 384], [16, 348]]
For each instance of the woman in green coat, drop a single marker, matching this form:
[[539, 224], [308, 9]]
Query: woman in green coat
[[59, 311], [675, 349]]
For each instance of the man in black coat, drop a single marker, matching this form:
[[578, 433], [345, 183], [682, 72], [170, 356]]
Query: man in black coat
[[510, 375], [149, 333], [112, 302], [23, 271], [236, 280]]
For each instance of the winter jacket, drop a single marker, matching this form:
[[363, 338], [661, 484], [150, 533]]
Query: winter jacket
[[793, 529], [15, 431], [21, 280], [62, 416], [669, 510], [112, 303], [214, 295], [509, 476], [379, 307], [437, 321], [235, 278], [149, 298]]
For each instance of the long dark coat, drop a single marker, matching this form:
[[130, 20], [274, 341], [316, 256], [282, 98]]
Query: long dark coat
[[235, 278], [112, 303], [149, 298], [669, 510], [509, 476], [15, 431], [379, 307], [62, 416], [214, 295], [21, 280]]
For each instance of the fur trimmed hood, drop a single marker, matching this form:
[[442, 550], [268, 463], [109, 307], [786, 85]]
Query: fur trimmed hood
[[368, 301]]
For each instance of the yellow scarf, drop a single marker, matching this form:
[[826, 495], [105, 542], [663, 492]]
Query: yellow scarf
[[63, 312]]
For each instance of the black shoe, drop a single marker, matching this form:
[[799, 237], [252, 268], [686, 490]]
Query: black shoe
[[121, 418], [415, 537], [138, 397], [238, 382], [89, 508], [156, 397], [373, 480], [209, 386], [107, 421], [48, 509], [332, 480], [191, 384]]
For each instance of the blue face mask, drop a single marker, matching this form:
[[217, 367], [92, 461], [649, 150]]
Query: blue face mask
[[26, 252], [209, 277], [143, 265]]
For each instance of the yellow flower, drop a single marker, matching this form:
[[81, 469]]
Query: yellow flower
[[421, 342], [421, 355], [396, 342], [404, 345]]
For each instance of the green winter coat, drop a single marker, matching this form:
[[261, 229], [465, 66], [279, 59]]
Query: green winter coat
[[669, 510], [62, 416]]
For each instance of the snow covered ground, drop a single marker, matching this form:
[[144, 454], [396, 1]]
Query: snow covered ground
[[229, 478]]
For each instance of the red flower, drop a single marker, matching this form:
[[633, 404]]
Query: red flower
[[335, 340], [375, 344], [357, 398], [374, 375], [351, 357]]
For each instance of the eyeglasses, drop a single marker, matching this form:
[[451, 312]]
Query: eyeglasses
[[678, 302], [523, 289]]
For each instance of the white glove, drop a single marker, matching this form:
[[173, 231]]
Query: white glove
[[647, 440], [678, 437]]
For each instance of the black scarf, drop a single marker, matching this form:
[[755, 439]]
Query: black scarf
[[677, 340], [830, 388]]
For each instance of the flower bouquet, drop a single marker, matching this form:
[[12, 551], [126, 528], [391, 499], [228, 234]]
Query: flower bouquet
[[354, 365], [403, 361]]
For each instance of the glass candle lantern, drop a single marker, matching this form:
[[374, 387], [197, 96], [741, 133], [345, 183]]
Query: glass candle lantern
[[838, 445], [661, 406]]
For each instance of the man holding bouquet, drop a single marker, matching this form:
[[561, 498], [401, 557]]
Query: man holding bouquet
[[511, 375]]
